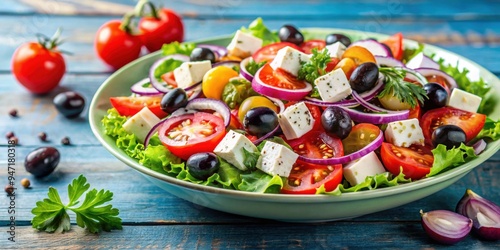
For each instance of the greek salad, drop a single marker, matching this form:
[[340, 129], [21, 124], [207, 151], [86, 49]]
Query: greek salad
[[285, 112]]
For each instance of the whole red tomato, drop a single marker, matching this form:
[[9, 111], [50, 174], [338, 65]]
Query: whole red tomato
[[39, 67], [166, 27], [115, 44]]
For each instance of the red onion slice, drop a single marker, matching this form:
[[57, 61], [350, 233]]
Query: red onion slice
[[284, 94], [258, 141], [426, 72], [479, 146], [422, 61], [376, 118], [375, 47], [211, 104], [229, 64], [243, 69], [160, 86], [446, 226], [372, 146], [388, 61], [278, 103], [140, 89], [217, 49]]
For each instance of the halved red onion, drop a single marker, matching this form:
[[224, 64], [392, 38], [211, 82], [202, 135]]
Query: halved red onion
[[140, 88], [229, 64], [278, 103], [484, 213], [375, 47], [377, 118], [211, 104], [284, 94], [479, 146], [445, 226], [243, 69], [388, 61], [372, 146], [422, 61], [426, 72], [160, 86], [217, 49]]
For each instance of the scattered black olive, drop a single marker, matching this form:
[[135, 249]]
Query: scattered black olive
[[288, 33], [13, 113], [333, 38], [25, 183], [173, 100], [202, 165], [70, 104], [9, 135], [437, 96], [364, 77], [42, 136], [42, 161], [9, 189], [448, 135], [260, 121], [65, 141], [336, 121], [202, 54], [14, 140]]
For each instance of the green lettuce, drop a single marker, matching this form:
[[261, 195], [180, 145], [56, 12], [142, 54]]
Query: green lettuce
[[184, 48], [165, 67], [490, 130], [260, 182], [158, 158], [447, 159], [408, 53], [252, 67], [113, 127], [258, 29]]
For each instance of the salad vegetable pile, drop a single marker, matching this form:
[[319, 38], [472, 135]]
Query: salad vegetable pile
[[281, 112]]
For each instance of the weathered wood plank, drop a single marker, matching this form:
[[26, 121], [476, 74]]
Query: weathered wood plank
[[484, 36], [273, 235]]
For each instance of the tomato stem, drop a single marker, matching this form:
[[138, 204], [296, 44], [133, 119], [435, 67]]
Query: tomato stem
[[127, 22], [53, 42], [139, 9]]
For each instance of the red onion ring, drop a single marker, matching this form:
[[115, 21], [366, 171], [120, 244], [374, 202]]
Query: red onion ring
[[278, 103], [479, 146], [284, 94], [371, 106], [388, 61], [229, 64], [157, 84], [262, 138], [430, 71], [376, 118], [211, 104], [219, 50], [138, 88], [243, 69], [372, 146]]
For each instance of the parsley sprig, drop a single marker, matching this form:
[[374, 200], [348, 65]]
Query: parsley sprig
[[51, 214], [396, 85], [316, 67], [253, 66]]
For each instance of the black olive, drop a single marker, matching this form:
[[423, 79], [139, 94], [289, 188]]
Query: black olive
[[448, 135], [202, 165], [333, 38], [437, 96], [42, 161], [260, 121], [364, 77], [288, 33], [173, 100], [69, 104], [336, 121], [202, 54]]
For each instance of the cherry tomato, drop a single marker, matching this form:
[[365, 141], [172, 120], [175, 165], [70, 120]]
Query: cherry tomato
[[332, 64], [268, 52], [188, 134], [309, 45], [305, 178], [415, 112], [215, 80], [416, 160], [129, 106], [395, 43], [439, 80], [470, 123], [347, 65], [38, 67], [167, 27], [115, 46], [280, 78], [359, 55], [254, 102], [361, 135]]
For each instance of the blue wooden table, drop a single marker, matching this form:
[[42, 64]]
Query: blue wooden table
[[153, 218]]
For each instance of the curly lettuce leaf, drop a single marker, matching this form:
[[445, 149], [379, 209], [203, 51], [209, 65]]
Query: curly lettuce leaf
[[490, 130], [184, 48], [158, 158], [113, 127], [260, 182], [258, 29], [447, 159], [409, 53]]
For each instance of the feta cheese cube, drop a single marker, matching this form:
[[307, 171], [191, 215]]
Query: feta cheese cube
[[289, 60], [141, 123], [464, 100], [404, 133], [336, 50], [296, 120], [356, 171], [333, 86], [276, 159], [244, 45], [190, 73], [231, 149]]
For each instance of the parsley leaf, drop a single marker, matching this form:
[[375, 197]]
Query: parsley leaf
[[395, 85], [316, 67], [253, 66], [51, 214], [446, 159]]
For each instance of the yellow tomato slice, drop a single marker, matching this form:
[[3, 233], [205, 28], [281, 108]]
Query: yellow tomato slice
[[215, 80], [359, 55]]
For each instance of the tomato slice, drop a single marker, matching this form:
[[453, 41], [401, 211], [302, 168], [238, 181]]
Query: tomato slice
[[416, 160], [129, 106], [471, 123], [332, 64], [439, 80], [309, 45], [305, 178], [268, 52], [169, 78], [361, 135], [395, 43], [280, 78], [188, 134], [415, 112]]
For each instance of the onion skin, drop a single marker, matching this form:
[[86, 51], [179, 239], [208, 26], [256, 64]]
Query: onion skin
[[484, 214], [445, 226]]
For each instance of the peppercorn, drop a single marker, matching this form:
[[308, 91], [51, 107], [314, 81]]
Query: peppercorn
[[25, 183], [9, 135], [42, 136], [9, 189], [13, 113], [65, 141]]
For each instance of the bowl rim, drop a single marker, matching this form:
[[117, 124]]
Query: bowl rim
[[492, 148]]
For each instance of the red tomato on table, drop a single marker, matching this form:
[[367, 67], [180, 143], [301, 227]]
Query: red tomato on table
[[167, 27]]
